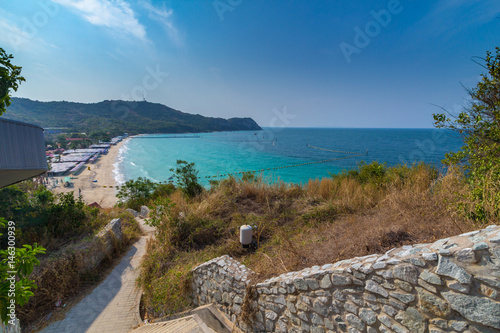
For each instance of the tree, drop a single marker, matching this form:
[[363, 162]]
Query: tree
[[479, 125], [10, 78], [187, 178], [97, 135], [136, 192]]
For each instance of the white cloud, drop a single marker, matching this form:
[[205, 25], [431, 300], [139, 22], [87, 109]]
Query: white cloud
[[11, 35], [165, 17], [446, 20], [23, 36], [452, 16], [113, 14]]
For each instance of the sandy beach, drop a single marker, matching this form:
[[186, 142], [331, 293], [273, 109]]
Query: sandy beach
[[102, 171]]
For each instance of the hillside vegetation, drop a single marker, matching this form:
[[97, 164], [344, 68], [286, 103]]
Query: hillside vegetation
[[358, 212], [118, 117]]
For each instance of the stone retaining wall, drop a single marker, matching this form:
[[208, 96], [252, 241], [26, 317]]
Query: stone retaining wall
[[74, 260], [451, 285], [90, 254], [87, 254]]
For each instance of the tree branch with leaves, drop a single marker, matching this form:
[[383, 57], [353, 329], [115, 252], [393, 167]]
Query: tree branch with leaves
[[10, 78], [479, 125], [17, 264]]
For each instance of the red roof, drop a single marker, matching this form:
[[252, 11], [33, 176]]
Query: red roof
[[74, 139]]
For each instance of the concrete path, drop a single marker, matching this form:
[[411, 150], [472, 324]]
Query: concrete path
[[114, 305]]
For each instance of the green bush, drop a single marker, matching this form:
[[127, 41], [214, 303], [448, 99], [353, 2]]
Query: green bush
[[186, 177], [139, 192], [41, 217], [67, 217], [181, 231], [136, 192], [373, 172], [248, 177]]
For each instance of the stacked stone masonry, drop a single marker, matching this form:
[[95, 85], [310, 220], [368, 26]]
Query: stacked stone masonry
[[101, 246], [86, 255], [452, 285], [90, 254]]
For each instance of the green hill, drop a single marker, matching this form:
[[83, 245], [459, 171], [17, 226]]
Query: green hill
[[120, 116]]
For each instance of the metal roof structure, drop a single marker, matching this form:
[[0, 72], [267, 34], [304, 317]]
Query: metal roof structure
[[22, 151], [57, 169], [75, 157], [83, 151], [101, 145]]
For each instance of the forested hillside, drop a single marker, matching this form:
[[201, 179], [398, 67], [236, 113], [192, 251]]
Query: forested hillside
[[120, 116]]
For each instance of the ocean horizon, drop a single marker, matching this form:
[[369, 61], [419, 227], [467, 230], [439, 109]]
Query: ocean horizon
[[291, 155]]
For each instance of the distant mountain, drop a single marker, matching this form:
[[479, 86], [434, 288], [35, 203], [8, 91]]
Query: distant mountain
[[120, 116]]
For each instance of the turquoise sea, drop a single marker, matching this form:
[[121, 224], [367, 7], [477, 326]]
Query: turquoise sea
[[290, 153]]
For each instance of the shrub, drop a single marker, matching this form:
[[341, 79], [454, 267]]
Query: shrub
[[249, 177], [373, 172], [187, 178], [136, 192], [42, 217], [67, 217], [181, 230]]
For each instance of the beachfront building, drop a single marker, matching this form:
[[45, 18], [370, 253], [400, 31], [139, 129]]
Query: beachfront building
[[77, 157], [104, 145], [83, 151], [61, 168], [22, 151], [116, 139]]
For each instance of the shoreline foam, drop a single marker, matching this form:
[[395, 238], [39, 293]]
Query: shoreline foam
[[118, 172]]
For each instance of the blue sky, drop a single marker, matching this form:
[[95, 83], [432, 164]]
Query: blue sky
[[284, 63]]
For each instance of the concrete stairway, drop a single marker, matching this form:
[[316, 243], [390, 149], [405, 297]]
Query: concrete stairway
[[189, 324], [204, 319]]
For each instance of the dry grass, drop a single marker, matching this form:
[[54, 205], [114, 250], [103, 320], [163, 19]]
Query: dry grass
[[356, 220], [296, 227]]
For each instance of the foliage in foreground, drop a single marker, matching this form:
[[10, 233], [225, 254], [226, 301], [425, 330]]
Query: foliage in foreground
[[10, 78], [42, 217], [138, 192], [17, 264], [296, 226], [479, 125]]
